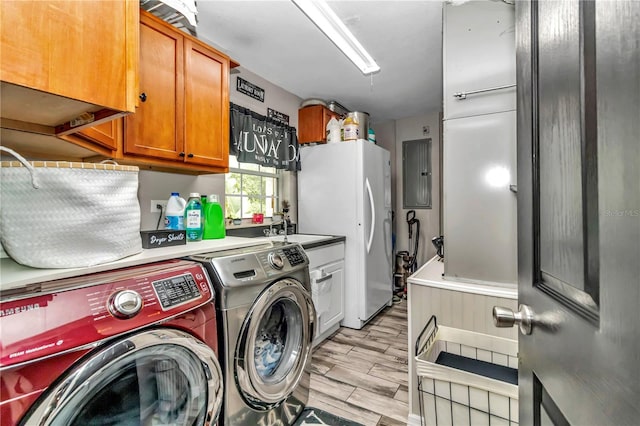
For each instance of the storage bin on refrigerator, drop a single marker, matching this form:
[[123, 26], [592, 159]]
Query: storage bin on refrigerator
[[479, 390]]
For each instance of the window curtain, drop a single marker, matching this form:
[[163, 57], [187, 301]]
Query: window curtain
[[257, 139]]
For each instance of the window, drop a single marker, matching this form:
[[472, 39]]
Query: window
[[249, 189]]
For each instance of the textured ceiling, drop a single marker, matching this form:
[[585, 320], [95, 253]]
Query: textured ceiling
[[275, 40]]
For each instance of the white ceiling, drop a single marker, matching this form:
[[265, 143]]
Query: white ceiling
[[275, 40]]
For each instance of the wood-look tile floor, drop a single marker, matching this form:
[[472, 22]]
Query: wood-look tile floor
[[361, 375]]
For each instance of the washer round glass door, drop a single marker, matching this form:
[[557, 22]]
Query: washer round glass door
[[157, 377], [274, 344]]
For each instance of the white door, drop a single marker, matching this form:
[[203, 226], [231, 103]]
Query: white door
[[579, 211], [376, 227]]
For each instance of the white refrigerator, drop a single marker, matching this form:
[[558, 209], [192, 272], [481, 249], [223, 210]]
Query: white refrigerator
[[345, 189]]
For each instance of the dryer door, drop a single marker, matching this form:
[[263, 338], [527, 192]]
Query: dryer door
[[274, 344], [157, 377]]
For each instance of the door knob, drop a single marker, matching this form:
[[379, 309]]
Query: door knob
[[505, 317], [143, 97]]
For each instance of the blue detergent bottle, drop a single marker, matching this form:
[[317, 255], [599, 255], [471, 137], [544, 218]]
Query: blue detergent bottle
[[193, 217]]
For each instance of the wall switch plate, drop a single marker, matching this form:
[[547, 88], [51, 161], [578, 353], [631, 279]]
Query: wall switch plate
[[154, 206]]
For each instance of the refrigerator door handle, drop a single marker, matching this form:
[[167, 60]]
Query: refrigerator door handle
[[373, 215]]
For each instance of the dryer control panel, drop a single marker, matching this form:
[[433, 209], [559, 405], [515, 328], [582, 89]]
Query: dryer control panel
[[70, 313], [176, 290]]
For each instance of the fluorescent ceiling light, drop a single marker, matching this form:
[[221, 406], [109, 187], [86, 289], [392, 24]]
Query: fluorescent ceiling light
[[329, 23]]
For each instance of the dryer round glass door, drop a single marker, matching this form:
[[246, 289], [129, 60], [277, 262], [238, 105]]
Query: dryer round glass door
[[274, 344], [157, 377]]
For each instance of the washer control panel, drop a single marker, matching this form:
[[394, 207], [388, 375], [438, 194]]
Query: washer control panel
[[274, 263], [275, 260], [293, 255], [236, 267]]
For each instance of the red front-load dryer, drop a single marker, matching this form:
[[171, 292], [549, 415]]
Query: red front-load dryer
[[135, 346]]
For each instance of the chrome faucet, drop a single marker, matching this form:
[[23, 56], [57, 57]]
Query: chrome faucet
[[286, 225]]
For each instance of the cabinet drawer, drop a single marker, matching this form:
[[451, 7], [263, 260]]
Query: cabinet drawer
[[326, 254]]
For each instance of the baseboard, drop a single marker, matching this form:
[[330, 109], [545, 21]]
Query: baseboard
[[414, 420], [321, 337]]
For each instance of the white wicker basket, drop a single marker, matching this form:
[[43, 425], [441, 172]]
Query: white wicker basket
[[449, 396], [64, 215]]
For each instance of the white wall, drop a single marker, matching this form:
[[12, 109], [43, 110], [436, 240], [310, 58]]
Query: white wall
[[408, 129], [159, 185]]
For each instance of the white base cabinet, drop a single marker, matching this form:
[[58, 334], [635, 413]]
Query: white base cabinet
[[326, 267]]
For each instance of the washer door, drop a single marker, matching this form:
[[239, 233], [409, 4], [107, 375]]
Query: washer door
[[274, 344], [157, 377]]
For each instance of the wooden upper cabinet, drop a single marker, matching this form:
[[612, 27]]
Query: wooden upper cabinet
[[155, 129], [312, 123], [103, 139], [107, 134], [61, 59], [183, 115], [206, 106]]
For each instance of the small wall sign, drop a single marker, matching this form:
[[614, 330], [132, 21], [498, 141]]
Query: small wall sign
[[163, 238], [249, 89], [278, 116]]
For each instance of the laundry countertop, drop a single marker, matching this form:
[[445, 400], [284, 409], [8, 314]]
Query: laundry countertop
[[431, 274], [14, 276]]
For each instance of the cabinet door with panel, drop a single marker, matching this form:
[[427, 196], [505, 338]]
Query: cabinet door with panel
[[103, 139], [329, 290], [107, 135], [183, 117], [206, 105], [326, 269], [41, 43], [155, 130], [312, 123]]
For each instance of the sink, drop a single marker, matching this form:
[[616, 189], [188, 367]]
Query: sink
[[300, 238]]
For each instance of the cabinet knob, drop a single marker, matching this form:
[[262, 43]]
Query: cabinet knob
[[143, 97], [181, 154], [190, 155]]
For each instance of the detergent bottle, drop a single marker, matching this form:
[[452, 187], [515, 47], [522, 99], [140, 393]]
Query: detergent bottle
[[174, 214], [214, 219]]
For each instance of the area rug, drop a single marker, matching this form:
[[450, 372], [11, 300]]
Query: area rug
[[313, 416]]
